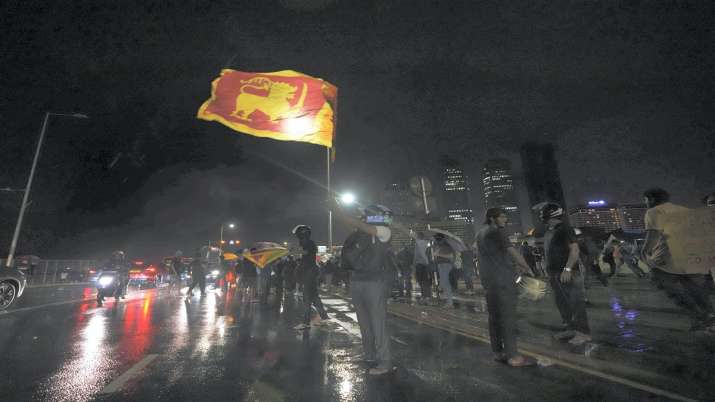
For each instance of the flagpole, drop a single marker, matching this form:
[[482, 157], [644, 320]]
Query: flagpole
[[330, 212]]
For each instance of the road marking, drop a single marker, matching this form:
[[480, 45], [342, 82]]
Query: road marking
[[117, 384], [30, 308], [39, 306], [554, 360], [559, 362], [398, 340]]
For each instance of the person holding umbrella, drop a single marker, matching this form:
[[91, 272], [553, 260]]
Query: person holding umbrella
[[444, 252]]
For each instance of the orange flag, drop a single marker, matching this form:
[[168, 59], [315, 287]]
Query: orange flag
[[285, 105]]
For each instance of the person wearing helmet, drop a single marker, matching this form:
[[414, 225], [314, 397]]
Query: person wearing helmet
[[119, 263], [308, 273], [688, 291], [366, 252], [561, 253]]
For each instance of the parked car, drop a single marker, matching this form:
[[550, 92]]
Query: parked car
[[12, 285], [27, 263]]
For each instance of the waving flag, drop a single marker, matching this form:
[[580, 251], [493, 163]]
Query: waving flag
[[264, 253], [284, 105]]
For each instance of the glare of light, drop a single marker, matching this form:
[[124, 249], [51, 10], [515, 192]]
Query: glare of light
[[345, 387], [347, 198], [231, 225], [105, 280], [298, 126], [215, 272], [230, 242]]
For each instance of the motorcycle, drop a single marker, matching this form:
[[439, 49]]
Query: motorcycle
[[108, 284]]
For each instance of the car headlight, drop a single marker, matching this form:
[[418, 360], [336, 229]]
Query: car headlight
[[106, 280]]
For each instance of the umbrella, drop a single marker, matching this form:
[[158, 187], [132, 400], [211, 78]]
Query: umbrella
[[230, 257], [264, 253], [455, 242]]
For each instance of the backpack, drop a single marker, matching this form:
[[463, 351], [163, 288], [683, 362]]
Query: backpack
[[361, 254]]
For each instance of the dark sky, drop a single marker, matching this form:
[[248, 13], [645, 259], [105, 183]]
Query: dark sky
[[624, 89]]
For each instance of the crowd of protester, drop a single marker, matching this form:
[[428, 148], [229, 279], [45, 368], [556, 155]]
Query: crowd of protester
[[429, 271]]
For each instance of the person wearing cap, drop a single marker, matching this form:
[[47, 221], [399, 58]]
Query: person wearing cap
[[561, 253]]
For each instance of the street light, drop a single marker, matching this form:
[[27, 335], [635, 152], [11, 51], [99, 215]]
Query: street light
[[230, 226], [347, 198], [28, 187]]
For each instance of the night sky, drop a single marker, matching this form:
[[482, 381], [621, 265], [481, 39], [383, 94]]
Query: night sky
[[623, 89]]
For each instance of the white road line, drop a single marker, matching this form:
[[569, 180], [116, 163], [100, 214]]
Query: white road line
[[117, 384], [398, 340], [30, 308]]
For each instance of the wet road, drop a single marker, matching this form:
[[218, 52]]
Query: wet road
[[159, 346]]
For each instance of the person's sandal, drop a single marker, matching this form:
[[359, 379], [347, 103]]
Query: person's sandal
[[521, 361]]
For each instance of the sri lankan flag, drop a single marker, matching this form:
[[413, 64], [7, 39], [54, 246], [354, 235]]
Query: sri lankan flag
[[285, 105]]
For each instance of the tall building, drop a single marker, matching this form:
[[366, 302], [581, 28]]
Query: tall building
[[498, 183], [541, 174], [632, 217], [597, 214], [396, 196], [456, 192]]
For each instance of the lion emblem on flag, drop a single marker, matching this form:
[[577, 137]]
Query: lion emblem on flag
[[276, 103]]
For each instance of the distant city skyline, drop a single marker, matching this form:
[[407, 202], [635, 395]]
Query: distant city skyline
[[499, 192]]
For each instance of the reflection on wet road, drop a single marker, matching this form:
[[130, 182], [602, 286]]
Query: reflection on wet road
[[161, 346]]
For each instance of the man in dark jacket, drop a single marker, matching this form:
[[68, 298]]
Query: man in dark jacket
[[198, 275], [309, 274]]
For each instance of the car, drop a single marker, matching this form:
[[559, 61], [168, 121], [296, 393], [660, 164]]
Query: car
[[27, 263], [143, 276], [12, 285]]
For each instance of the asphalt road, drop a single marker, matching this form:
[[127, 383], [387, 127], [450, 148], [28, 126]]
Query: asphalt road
[[159, 346]]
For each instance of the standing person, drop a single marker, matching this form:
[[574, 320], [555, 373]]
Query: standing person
[[444, 255], [688, 291], [529, 257], [198, 274], [308, 273], [498, 275], [589, 259], [175, 272], [422, 265], [709, 201], [468, 270], [329, 272], [289, 274], [404, 266], [248, 279], [366, 252], [561, 253]]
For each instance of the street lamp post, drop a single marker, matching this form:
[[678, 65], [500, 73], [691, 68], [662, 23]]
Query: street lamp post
[[230, 226], [23, 206]]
